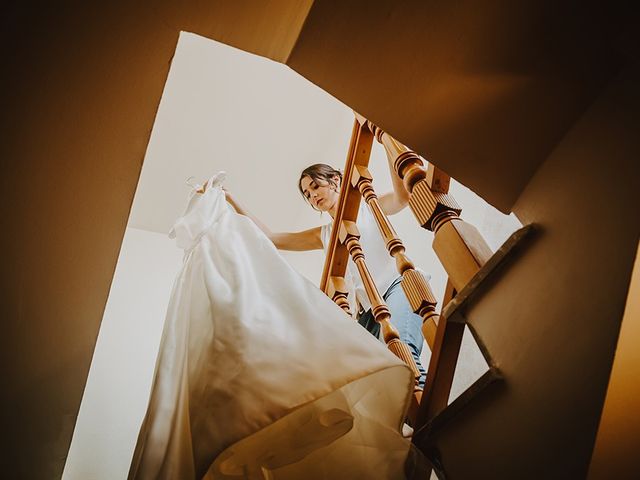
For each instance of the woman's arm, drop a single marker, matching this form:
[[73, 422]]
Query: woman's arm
[[397, 199], [296, 241]]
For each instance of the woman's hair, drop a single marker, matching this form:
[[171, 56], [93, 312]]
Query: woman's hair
[[320, 173]]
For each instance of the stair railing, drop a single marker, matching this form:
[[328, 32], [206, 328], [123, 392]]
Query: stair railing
[[460, 248], [345, 243], [458, 245]]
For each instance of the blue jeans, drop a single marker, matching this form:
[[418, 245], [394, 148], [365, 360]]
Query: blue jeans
[[409, 324]]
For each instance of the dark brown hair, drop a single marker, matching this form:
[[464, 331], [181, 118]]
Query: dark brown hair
[[320, 173]]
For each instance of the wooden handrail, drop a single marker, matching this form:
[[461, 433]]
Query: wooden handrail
[[344, 241], [350, 236], [335, 264]]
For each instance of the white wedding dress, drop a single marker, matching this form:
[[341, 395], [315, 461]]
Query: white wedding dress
[[259, 374]]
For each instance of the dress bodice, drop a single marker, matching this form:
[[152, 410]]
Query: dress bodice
[[202, 212]]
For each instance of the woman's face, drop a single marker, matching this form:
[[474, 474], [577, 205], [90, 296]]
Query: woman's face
[[321, 194]]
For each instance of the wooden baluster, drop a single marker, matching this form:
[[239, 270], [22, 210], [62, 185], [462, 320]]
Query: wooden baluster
[[350, 237], [429, 328], [447, 338], [337, 291], [415, 285], [348, 204], [459, 246]]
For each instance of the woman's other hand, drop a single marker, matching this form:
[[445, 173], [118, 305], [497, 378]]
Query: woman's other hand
[[227, 195], [232, 201]]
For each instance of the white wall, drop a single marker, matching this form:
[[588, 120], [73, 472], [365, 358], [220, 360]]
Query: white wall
[[117, 389]]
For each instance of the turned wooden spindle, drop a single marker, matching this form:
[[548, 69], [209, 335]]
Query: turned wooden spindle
[[350, 237], [415, 285], [459, 246], [431, 208], [337, 291]]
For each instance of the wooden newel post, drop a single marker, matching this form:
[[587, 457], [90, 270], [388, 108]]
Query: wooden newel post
[[459, 246], [415, 285], [350, 237]]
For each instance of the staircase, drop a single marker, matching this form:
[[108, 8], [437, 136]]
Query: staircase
[[534, 105], [466, 257]]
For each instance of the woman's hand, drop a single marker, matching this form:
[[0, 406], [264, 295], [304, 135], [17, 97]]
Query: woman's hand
[[232, 201], [297, 241]]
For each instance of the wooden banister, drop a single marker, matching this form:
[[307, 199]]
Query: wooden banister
[[344, 242], [415, 285], [335, 264], [350, 236], [461, 250], [459, 246]]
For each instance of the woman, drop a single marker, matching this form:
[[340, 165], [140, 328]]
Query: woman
[[320, 186]]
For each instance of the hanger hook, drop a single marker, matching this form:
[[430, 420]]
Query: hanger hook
[[190, 183]]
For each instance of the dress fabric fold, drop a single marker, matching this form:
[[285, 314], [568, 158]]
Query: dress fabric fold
[[259, 374]]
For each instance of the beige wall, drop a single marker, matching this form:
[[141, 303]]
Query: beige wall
[[80, 96], [70, 165], [551, 319], [618, 441], [83, 82]]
